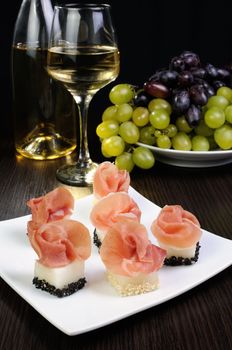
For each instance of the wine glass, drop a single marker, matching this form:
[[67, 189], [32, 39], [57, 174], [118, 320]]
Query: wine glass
[[84, 56]]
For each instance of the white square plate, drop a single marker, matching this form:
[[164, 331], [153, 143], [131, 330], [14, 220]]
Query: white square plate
[[97, 304]]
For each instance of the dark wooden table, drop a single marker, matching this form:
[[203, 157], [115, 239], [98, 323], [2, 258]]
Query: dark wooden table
[[197, 319]]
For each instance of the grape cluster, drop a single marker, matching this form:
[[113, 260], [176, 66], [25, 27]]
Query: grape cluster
[[188, 84], [187, 106]]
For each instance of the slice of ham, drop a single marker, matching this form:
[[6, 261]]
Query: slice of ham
[[118, 206], [108, 178], [176, 227], [59, 243], [127, 251], [55, 205]]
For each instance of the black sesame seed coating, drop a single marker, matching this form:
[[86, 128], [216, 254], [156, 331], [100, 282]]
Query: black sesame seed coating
[[96, 240], [60, 293], [176, 261]]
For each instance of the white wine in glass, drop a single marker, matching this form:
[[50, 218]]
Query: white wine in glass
[[84, 56]]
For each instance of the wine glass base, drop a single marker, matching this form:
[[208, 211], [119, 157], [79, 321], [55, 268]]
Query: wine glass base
[[73, 175]]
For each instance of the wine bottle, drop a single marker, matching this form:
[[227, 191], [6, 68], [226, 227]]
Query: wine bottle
[[44, 111]]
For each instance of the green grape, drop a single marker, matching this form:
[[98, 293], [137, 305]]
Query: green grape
[[121, 93], [226, 92], [182, 142], [157, 133], [228, 114], [159, 118], [159, 103], [203, 130], [214, 117], [107, 128], [143, 157], [104, 153], [113, 146], [124, 112], [140, 116], [217, 101], [125, 161], [200, 143], [182, 124], [171, 130], [147, 135], [109, 113], [223, 136], [129, 132], [163, 141]]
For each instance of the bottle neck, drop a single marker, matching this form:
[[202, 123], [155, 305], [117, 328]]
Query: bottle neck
[[33, 24]]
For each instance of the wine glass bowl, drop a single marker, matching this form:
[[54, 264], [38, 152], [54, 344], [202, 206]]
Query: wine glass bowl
[[84, 56]]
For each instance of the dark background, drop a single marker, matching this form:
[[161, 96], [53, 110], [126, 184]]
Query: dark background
[[149, 33]]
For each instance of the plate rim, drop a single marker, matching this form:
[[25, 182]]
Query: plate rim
[[190, 159], [188, 153]]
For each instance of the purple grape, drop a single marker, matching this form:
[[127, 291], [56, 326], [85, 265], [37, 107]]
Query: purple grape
[[198, 72], [185, 78], [218, 83], [212, 72], [198, 95], [169, 77], [180, 102], [210, 91], [193, 115], [223, 74], [191, 59], [156, 89], [177, 64], [141, 99], [228, 67], [156, 75], [199, 81]]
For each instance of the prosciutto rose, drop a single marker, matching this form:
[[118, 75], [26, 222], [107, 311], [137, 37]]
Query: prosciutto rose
[[59, 243], [176, 227], [115, 207], [127, 251], [108, 178], [55, 205]]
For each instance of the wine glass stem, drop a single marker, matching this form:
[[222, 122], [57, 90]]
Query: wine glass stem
[[83, 107]]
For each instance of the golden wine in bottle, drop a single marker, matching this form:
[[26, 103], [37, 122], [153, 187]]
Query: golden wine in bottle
[[44, 112]]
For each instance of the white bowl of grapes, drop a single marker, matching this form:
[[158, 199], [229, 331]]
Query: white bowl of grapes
[[182, 116]]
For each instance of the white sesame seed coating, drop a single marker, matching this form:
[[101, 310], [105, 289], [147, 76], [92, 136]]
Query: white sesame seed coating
[[127, 286]]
